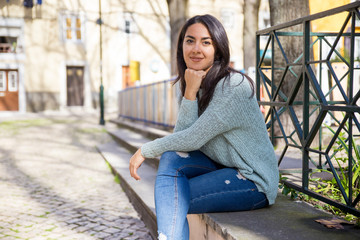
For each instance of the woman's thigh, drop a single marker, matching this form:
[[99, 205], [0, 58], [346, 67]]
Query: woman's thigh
[[224, 190], [189, 164]]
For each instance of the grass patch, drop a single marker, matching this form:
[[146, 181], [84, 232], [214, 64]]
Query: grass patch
[[13, 127], [14, 230], [91, 130], [117, 179], [50, 229], [44, 215], [109, 166], [24, 123]]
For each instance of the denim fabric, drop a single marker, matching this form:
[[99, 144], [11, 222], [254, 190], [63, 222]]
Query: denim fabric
[[193, 183]]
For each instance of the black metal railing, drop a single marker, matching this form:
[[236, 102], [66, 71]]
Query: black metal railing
[[312, 101]]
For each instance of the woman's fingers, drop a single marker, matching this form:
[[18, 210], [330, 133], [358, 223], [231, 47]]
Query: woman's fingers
[[194, 77], [133, 172], [135, 162]]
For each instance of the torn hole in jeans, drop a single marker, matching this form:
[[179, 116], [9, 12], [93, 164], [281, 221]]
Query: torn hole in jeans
[[240, 176], [183, 154], [162, 236]]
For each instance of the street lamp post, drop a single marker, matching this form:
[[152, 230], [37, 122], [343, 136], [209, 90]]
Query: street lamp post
[[102, 121]]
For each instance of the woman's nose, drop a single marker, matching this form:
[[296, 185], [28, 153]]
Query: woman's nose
[[196, 48]]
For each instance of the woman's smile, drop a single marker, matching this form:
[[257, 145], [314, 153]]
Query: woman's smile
[[196, 59]]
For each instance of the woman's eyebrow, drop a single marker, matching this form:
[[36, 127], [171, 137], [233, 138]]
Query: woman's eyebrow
[[204, 38]]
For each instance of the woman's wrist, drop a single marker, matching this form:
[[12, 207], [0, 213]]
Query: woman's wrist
[[139, 150], [190, 95]]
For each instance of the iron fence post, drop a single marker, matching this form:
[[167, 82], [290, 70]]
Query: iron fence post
[[272, 109], [306, 105]]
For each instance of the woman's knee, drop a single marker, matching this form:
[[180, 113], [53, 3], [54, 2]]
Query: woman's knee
[[170, 161]]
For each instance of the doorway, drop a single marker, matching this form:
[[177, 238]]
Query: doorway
[[9, 90], [75, 86]]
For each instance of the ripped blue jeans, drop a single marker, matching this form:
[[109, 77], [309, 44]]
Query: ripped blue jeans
[[189, 183]]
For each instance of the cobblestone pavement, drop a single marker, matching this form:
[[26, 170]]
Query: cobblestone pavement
[[55, 185]]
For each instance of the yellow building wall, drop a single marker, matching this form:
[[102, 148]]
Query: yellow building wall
[[328, 24], [331, 23]]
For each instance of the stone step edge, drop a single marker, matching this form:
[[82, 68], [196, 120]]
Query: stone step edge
[[148, 131], [147, 214], [154, 162]]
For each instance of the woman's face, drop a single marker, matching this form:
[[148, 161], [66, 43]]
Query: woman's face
[[198, 48]]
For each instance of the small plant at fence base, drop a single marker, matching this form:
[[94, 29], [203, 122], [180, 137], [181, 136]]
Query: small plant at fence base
[[296, 195], [330, 188]]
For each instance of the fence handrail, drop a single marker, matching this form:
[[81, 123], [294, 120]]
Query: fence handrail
[[309, 18], [147, 85]]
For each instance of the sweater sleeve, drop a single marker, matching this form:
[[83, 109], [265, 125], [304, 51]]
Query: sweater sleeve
[[214, 121], [188, 114]]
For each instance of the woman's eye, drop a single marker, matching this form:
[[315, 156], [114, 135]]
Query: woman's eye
[[207, 43], [189, 41]]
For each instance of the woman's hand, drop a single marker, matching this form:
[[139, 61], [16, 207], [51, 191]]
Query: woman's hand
[[135, 162], [193, 79]]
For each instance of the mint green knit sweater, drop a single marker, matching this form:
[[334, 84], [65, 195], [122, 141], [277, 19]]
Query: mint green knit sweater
[[231, 131]]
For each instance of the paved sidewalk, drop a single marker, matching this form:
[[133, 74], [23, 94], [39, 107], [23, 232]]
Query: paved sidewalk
[[55, 185]]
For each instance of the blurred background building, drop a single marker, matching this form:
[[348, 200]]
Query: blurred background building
[[49, 49]]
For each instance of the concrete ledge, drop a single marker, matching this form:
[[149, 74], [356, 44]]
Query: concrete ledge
[[286, 219]]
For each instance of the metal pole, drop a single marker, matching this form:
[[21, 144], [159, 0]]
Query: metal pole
[[102, 121]]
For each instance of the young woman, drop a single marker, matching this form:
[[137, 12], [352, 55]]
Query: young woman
[[219, 157]]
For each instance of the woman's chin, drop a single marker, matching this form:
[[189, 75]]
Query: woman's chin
[[197, 68]]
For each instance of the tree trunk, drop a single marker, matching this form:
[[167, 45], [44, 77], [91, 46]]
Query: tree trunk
[[178, 16], [282, 11], [251, 20]]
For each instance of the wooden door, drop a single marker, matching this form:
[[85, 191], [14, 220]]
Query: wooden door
[[9, 90], [75, 86], [126, 77]]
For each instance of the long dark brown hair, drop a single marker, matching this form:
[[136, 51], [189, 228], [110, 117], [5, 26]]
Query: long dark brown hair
[[219, 70]]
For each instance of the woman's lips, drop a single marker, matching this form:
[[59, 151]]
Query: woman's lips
[[195, 59]]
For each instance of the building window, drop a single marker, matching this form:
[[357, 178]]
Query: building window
[[73, 28], [228, 18], [264, 19], [8, 44], [2, 81], [13, 81]]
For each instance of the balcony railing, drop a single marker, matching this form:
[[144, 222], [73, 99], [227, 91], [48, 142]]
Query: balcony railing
[[312, 103]]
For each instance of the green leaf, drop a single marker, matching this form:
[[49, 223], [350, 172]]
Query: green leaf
[[286, 191]]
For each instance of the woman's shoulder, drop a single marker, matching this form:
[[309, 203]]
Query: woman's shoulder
[[236, 83]]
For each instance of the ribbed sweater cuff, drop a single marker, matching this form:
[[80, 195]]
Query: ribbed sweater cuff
[[146, 150], [189, 105]]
